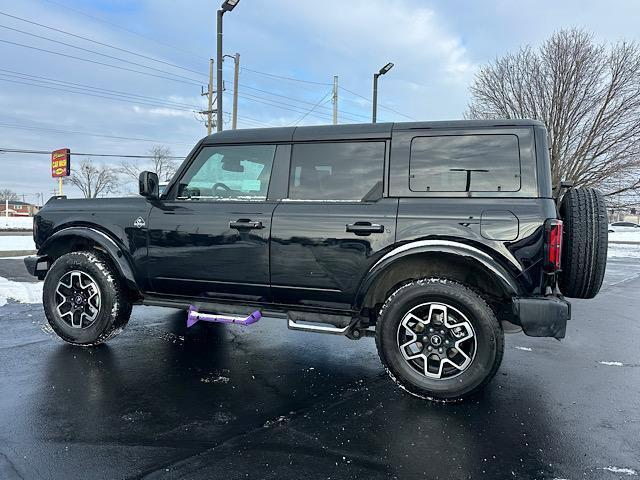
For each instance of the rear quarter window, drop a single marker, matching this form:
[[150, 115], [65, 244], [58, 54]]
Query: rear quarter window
[[459, 163]]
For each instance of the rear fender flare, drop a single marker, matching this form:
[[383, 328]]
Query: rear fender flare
[[106, 243], [484, 260]]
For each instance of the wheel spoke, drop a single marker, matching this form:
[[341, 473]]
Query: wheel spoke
[[437, 340], [80, 300]]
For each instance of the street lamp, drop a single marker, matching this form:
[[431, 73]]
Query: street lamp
[[382, 71], [226, 6]]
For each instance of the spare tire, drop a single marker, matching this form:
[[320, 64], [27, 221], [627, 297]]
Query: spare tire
[[584, 244]]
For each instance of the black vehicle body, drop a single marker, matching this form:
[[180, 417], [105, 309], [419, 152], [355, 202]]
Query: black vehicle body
[[328, 261]]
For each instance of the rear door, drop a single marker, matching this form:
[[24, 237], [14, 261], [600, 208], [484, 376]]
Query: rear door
[[210, 236], [334, 224]]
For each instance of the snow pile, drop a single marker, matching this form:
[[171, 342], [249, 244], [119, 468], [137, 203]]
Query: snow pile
[[621, 250], [16, 223], [16, 242], [22, 292]]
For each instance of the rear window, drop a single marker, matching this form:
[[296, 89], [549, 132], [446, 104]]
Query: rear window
[[465, 163], [346, 171]]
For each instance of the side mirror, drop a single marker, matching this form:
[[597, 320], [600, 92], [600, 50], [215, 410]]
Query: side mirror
[[148, 185]]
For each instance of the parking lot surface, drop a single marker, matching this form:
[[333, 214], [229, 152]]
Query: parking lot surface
[[219, 401]]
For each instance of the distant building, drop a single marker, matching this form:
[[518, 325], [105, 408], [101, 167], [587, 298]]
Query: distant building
[[18, 209]]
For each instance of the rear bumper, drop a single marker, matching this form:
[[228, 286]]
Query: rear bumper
[[542, 316], [37, 265]]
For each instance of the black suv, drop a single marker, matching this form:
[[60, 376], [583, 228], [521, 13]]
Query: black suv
[[433, 237]]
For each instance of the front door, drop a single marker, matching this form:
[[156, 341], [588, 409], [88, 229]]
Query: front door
[[333, 226], [210, 236]]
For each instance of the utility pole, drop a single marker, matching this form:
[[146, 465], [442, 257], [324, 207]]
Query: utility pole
[[209, 94], [236, 73], [334, 99]]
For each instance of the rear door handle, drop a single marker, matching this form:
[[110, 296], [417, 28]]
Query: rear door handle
[[364, 228], [245, 223]]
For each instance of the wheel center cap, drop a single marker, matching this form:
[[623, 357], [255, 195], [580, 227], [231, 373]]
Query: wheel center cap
[[78, 300], [436, 340]]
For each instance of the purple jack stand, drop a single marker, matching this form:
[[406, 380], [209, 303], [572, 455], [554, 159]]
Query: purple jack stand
[[195, 316]]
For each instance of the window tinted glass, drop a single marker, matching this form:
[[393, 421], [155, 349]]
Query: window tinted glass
[[233, 172], [335, 171], [458, 163]]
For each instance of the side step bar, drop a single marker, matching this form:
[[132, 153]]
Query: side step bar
[[352, 331], [305, 327]]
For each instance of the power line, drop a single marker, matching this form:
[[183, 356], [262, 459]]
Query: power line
[[71, 132], [46, 152], [301, 101], [114, 92], [96, 52], [271, 75], [195, 55], [97, 63], [282, 77], [379, 106], [312, 109], [102, 43], [126, 100]]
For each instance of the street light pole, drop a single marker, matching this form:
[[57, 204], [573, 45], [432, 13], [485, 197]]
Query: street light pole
[[382, 71], [375, 97], [226, 6]]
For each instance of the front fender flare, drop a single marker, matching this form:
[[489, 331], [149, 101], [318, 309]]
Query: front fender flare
[[500, 273], [108, 244]]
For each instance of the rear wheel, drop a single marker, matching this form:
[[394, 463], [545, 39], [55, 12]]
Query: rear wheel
[[584, 244], [439, 339], [84, 300]]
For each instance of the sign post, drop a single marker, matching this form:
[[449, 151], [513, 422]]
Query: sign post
[[60, 165]]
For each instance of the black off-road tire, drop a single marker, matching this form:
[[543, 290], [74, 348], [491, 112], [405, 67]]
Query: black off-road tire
[[584, 243], [488, 331], [115, 306]]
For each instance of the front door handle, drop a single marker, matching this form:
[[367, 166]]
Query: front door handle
[[365, 228], [245, 223]]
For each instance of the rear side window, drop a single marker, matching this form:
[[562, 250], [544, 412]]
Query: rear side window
[[336, 171], [465, 163]]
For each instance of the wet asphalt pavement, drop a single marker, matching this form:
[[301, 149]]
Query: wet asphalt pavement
[[219, 401]]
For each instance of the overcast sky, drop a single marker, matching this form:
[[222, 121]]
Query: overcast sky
[[436, 48]]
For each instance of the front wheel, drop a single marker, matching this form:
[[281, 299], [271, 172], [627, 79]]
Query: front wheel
[[84, 300], [439, 339]]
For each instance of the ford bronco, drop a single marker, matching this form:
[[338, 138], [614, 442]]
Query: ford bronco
[[433, 237]]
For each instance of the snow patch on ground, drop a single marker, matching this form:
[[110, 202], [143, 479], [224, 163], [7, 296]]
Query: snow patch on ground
[[627, 236], [16, 223], [23, 292], [16, 242], [612, 364], [619, 250], [526, 349], [624, 471]]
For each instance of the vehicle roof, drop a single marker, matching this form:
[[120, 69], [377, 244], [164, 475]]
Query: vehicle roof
[[352, 130]]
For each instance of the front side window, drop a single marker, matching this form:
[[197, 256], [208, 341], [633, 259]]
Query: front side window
[[346, 171], [465, 163], [238, 172]]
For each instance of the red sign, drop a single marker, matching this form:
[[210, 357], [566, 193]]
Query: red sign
[[61, 163]]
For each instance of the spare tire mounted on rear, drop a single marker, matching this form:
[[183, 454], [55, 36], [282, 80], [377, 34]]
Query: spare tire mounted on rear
[[584, 244]]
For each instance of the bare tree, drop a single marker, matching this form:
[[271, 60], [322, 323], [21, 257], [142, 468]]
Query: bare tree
[[8, 194], [93, 180], [162, 163], [588, 96]]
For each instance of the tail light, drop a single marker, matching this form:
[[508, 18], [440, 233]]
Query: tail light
[[553, 228]]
